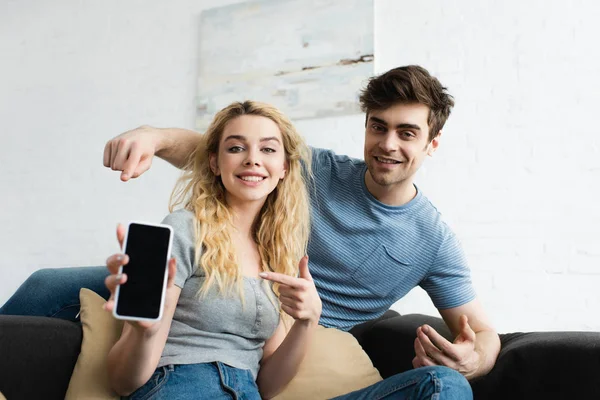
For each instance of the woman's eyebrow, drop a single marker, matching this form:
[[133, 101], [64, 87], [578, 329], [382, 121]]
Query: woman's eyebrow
[[244, 139], [266, 139], [235, 137]]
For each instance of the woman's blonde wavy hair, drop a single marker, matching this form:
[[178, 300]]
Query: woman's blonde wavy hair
[[282, 227]]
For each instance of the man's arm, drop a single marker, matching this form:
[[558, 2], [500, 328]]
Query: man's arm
[[474, 350], [132, 151]]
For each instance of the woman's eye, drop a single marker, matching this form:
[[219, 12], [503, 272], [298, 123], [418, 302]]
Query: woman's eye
[[235, 149], [268, 150]]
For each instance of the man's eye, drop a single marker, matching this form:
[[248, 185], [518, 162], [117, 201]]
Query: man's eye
[[235, 149], [377, 128], [408, 134]]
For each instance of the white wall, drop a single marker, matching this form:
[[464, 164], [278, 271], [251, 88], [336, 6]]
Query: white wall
[[72, 75], [517, 173]]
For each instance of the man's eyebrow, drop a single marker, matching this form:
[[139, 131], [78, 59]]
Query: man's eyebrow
[[408, 126], [399, 126]]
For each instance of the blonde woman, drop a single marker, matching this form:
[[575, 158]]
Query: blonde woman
[[238, 268]]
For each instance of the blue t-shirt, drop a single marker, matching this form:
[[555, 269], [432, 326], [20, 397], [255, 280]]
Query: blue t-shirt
[[365, 255]]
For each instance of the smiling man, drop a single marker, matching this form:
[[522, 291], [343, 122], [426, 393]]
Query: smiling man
[[374, 235], [396, 143]]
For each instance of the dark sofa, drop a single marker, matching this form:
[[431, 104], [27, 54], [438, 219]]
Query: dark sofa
[[37, 356]]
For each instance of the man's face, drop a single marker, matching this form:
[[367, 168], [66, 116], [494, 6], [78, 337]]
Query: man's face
[[396, 143]]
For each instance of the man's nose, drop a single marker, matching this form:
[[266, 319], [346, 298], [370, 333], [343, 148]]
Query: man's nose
[[389, 143]]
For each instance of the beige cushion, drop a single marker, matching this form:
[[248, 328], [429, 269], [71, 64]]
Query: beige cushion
[[335, 364], [100, 333]]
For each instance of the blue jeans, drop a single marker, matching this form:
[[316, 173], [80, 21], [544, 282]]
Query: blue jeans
[[431, 383], [54, 292], [220, 381], [215, 381]]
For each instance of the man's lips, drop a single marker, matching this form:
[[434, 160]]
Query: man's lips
[[386, 160]]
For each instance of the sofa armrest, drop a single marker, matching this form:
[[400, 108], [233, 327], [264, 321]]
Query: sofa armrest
[[37, 356], [549, 365]]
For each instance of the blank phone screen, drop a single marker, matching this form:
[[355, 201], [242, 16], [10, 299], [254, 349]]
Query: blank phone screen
[[147, 248]]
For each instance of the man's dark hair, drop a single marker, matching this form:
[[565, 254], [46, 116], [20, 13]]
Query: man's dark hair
[[409, 84]]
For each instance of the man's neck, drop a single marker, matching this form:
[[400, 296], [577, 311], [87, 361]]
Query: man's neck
[[394, 195]]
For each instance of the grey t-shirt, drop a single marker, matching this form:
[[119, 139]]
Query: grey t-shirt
[[216, 327]]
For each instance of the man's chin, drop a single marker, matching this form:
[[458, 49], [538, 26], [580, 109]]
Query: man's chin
[[383, 179]]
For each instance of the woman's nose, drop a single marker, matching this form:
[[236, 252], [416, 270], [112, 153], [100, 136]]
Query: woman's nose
[[252, 159]]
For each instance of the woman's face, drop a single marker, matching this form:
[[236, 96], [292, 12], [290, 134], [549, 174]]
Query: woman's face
[[251, 159]]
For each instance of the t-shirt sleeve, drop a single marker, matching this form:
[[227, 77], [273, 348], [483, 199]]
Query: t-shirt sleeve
[[183, 248], [448, 282], [325, 163], [321, 159]]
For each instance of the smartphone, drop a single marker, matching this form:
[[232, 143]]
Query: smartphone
[[142, 297]]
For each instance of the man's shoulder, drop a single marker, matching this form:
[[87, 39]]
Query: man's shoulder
[[329, 156], [329, 166], [429, 217]]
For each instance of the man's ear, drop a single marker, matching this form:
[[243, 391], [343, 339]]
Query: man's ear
[[433, 145], [214, 165]]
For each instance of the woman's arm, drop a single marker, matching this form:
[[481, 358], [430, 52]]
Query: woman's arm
[[282, 354], [133, 359], [132, 151]]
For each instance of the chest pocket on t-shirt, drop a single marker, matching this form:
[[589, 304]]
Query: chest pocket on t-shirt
[[381, 272]]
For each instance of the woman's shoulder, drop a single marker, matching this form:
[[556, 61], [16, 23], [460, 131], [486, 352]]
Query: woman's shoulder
[[178, 219], [183, 247]]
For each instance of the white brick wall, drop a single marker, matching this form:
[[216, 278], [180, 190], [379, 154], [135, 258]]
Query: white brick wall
[[516, 175]]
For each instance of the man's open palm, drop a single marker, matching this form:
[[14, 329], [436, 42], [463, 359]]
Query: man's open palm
[[431, 348]]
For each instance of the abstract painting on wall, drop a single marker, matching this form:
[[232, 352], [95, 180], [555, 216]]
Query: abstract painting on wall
[[309, 58]]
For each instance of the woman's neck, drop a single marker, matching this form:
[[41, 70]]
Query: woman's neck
[[244, 217]]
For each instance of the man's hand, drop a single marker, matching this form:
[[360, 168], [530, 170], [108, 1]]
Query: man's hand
[[298, 296], [432, 349], [132, 151]]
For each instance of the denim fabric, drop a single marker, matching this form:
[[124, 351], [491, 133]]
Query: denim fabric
[[427, 383], [54, 292], [215, 381]]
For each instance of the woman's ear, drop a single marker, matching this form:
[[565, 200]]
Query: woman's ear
[[214, 165], [286, 166]]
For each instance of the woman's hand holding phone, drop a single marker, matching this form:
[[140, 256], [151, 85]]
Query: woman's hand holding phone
[[114, 263]]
